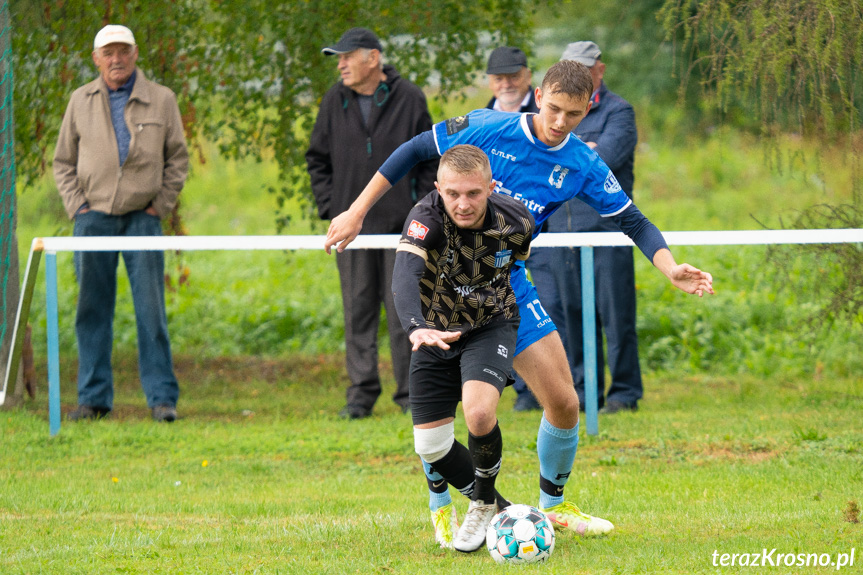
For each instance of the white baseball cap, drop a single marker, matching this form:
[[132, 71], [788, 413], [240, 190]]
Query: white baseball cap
[[111, 34]]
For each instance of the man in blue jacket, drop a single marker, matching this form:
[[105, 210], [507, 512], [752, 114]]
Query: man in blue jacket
[[608, 128], [509, 79]]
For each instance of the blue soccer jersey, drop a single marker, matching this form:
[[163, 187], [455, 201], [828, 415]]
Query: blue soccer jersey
[[523, 167], [540, 176]]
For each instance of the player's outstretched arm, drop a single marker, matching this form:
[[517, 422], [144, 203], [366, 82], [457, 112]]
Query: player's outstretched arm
[[432, 337], [345, 227], [683, 276]]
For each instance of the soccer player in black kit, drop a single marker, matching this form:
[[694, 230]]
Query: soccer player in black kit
[[453, 296]]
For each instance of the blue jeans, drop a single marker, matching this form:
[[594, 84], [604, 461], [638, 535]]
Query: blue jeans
[[97, 280], [556, 273]]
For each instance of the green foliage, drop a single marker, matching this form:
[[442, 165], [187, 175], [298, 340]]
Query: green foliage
[[248, 73], [259, 476], [53, 42], [632, 41], [270, 73], [789, 63], [271, 304], [837, 281]]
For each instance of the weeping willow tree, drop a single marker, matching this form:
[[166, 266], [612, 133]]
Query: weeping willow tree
[[793, 66]]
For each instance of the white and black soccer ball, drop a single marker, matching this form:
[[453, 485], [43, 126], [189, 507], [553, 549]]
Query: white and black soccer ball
[[520, 534]]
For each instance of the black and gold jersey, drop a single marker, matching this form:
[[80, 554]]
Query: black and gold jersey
[[465, 283]]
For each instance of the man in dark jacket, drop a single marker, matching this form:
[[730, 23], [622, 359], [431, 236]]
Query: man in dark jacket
[[609, 128], [361, 121]]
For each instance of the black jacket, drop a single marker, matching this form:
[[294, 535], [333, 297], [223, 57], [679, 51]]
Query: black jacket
[[344, 153]]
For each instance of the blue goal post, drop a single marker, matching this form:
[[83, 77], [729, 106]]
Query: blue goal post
[[49, 247]]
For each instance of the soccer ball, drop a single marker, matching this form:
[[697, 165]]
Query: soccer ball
[[520, 534]]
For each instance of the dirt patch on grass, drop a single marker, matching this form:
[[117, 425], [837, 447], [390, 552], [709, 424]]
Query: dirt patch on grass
[[247, 369], [683, 451]]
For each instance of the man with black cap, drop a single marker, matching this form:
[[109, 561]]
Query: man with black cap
[[361, 121], [609, 129], [509, 80]]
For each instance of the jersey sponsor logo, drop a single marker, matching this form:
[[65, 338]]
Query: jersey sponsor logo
[[417, 230], [502, 258], [502, 351], [456, 125], [531, 205], [503, 155], [611, 184], [495, 374], [464, 291], [557, 176]]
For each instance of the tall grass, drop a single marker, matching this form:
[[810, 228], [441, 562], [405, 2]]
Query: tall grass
[[272, 304]]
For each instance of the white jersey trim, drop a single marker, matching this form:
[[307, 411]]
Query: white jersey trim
[[628, 203], [526, 129]]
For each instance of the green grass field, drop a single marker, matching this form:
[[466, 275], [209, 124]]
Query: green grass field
[[259, 476], [749, 437]]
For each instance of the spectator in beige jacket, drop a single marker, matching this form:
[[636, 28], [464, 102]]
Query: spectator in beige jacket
[[120, 163]]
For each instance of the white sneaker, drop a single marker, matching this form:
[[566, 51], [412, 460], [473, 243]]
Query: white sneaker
[[445, 525], [471, 534]]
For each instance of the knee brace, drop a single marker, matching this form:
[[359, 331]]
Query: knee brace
[[433, 444]]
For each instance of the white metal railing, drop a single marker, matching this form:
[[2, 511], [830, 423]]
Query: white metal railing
[[586, 241]]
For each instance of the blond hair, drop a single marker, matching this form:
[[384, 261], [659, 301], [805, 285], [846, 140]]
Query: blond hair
[[465, 159]]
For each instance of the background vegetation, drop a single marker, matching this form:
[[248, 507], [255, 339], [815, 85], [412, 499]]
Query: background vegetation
[[248, 73], [274, 304], [749, 434]]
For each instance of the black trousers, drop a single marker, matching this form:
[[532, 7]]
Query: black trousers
[[366, 282]]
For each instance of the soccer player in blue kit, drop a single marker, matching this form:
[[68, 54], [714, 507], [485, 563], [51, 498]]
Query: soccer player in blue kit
[[535, 159]]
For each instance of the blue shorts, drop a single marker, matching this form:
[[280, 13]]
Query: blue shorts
[[535, 323]]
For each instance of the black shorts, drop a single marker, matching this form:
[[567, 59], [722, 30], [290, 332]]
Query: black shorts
[[437, 375]]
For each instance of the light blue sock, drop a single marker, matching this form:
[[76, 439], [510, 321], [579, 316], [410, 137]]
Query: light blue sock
[[436, 500], [556, 449]]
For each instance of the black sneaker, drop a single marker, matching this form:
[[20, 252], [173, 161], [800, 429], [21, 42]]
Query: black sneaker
[[614, 406], [354, 412], [164, 413], [87, 412]]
